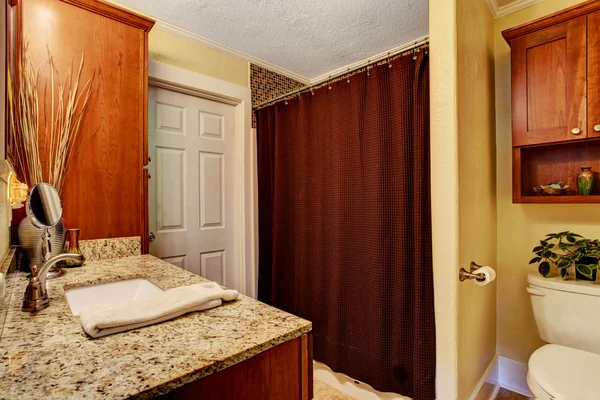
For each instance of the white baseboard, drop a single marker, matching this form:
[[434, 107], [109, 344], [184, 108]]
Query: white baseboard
[[507, 373], [495, 392], [512, 375], [486, 377]]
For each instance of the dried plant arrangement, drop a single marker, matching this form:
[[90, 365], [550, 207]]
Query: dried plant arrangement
[[66, 104]]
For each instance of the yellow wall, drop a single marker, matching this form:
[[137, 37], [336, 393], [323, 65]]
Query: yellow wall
[[5, 210], [520, 226], [444, 190], [477, 189], [174, 50]]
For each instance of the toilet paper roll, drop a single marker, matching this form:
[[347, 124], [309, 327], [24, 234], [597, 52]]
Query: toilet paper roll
[[489, 274]]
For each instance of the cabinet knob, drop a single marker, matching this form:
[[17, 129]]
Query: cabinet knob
[[575, 131], [597, 128]]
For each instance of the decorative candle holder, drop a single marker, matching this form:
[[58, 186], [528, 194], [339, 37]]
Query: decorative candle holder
[[73, 247]]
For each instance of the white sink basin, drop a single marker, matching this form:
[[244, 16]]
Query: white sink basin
[[110, 293]]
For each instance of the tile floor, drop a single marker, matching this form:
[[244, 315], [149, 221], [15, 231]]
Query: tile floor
[[323, 391], [505, 394]]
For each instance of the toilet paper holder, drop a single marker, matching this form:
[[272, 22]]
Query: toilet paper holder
[[463, 274]]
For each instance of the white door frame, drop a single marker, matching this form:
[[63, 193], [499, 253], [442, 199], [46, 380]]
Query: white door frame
[[183, 81]]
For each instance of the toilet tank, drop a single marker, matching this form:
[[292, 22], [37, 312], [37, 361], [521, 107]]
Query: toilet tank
[[566, 312]]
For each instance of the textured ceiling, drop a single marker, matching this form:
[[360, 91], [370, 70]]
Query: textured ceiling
[[308, 37]]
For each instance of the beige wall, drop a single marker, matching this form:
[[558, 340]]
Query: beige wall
[[477, 190], [520, 226], [444, 190], [174, 50], [5, 211]]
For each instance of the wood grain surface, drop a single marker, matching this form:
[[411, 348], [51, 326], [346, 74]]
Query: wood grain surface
[[104, 188]]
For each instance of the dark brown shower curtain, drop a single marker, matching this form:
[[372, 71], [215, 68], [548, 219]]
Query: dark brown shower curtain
[[345, 223]]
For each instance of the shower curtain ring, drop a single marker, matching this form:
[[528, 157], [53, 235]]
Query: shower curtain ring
[[329, 82], [311, 92], [388, 61], [368, 66], [348, 76]]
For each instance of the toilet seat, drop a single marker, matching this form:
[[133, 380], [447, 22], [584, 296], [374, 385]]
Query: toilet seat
[[559, 372]]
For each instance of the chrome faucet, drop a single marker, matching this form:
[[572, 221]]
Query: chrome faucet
[[36, 295]]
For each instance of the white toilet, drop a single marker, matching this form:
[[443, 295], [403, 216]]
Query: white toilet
[[567, 314]]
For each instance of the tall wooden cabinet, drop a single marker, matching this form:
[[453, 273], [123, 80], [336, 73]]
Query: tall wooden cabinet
[[555, 69], [105, 192]]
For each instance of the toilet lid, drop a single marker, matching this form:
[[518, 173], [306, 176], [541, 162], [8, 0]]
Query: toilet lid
[[566, 373]]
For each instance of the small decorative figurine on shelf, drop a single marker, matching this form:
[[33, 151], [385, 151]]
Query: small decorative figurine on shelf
[[552, 189]]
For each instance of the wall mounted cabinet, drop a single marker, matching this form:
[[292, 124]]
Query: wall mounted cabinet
[[555, 67], [105, 192]]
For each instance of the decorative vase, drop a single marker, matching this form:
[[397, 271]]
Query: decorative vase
[[30, 239], [585, 181], [72, 246]]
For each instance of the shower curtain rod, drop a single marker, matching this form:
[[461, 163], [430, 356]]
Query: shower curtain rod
[[404, 49]]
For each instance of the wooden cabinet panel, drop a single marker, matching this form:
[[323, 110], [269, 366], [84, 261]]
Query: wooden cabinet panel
[[283, 372], [594, 74], [104, 187], [549, 84]]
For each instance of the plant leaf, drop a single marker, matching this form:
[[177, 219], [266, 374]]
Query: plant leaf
[[563, 264], [534, 260], [584, 270], [564, 273], [537, 248], [544, 269]]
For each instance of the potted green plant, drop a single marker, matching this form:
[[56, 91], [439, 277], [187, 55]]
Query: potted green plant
[[566, 249]]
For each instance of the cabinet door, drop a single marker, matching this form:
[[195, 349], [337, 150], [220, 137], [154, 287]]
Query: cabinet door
[[594, 75], [549, 84]]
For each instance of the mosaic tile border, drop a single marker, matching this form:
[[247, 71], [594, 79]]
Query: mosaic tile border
[[267, 85]]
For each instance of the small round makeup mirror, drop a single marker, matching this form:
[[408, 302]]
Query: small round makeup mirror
[[44, 210], [44, 207]]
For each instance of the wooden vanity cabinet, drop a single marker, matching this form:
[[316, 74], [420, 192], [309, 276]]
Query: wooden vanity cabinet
[[284, 372], [555, 78]]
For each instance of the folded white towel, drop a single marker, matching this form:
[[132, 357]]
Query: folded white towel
[[103, 320]]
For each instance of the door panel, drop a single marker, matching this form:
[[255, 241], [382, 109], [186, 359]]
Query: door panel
[[594, 74], [191, 143], [549, 84]]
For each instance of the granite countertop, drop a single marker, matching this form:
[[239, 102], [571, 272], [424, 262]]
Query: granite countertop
[[49, 356]]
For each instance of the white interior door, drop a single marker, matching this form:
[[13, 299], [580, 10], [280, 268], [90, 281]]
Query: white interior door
[[191, 190]]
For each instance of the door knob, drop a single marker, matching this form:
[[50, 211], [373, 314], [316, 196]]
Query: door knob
[[151, 237], [575, 131], [597, 128]]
